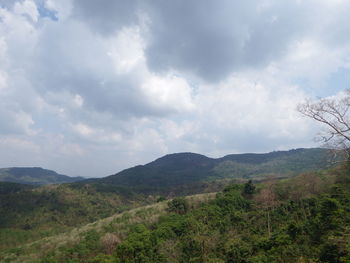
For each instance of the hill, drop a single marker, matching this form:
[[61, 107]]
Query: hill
[[181, 170], [34, 176], [30, 212], [33, 251], [301, 219]]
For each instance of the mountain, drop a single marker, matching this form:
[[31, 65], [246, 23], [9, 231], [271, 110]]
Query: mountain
[[170, 170], [183, 169], [32, 212], [34, 176], [37, 207], [300, 219]]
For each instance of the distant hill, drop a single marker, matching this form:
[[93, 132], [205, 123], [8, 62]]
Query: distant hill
[[183, 169], [34, 176]]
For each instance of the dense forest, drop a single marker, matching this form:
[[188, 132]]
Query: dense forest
[[180, 173]]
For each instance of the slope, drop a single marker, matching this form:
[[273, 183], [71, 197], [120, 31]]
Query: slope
[[29, 213], [301, 219], [175, 171], [34, 175], [124, 222]]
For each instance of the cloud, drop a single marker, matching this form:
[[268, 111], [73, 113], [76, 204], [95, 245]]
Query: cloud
[[105, 16], [109, 75], [213, 39], [7, 4], [210, 40], [27, 8], [13, 122], [91, 87]]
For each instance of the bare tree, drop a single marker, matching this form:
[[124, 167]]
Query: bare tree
[[334, 114], [267, 200], [109, 242]]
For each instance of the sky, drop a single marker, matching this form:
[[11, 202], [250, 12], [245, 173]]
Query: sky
[[91, 87]]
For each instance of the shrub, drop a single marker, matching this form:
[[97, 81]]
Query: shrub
[[178, 205]]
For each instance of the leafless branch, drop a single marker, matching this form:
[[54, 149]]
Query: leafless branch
[[333, 113]]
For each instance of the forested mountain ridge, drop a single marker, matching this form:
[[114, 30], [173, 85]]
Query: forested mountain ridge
[[182, 168], [176, 170], [34, 176]]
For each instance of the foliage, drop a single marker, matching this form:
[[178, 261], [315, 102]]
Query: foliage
[[178, 205], [32, 213], [186, 173], [307, 225], [28, 213], [249, 188], [34, 176]]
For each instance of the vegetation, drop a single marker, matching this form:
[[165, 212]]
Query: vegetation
[[332, 113], [35, 176], [173, 173], [8, 188], [262, 214], [29, 213], [110, 230], [302, 219]]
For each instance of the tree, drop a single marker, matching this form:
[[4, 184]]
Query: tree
[[267, 200], [178, 205], [109, 242], [334, 114], [249, 188]]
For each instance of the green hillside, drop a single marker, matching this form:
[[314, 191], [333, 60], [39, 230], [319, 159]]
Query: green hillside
[[33, 251], [32, 212], [302, 219], [174, 171], [29, 213], [35, 176]]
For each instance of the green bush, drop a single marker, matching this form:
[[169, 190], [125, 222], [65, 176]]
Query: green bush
[[178, 205]]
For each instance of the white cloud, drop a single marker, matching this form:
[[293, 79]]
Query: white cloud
[[62, 7], [248, 110], [107, 86], [126, 50], [27, 8], [168, 92], [3, 80], [96, 135]]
